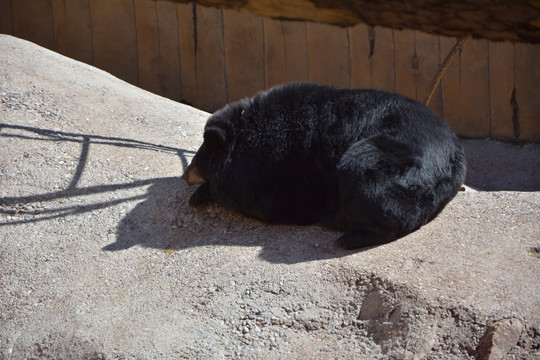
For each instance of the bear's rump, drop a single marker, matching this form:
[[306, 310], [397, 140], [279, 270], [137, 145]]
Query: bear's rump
[[382, 187]]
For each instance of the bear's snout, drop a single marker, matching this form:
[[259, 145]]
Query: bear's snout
[[193, 176]]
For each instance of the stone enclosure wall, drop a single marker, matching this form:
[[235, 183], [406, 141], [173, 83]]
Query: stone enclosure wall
[[209, 57]]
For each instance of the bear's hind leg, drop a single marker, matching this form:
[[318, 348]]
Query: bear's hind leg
[[369, 176]]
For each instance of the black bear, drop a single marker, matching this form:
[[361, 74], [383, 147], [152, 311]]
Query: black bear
[[372, 164]]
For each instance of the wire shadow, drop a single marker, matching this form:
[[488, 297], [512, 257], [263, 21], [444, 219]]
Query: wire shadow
[[13, 205]]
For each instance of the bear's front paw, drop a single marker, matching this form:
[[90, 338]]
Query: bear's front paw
[[200, 196]]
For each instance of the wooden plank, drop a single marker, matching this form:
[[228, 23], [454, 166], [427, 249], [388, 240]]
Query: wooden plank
[[275, 54], [296, 51], [286, 52], [210, 60], [6, 17], [146, 21], [361, 55], [114, 38], [186, 13], [328, 55], [79, 44], [158, 49], [32, 20], [244, 54], [59, 26], [406, 63], [474, 91], [429, 57], [383, 60], [527, 58], [450, 88], [466, 89], [169, 51], [501, 86]]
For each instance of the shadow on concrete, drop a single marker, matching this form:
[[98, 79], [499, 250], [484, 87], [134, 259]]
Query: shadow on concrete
[[164, 221], [498, 166]]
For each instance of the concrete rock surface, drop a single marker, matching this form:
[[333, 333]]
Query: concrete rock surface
[[101, 258]]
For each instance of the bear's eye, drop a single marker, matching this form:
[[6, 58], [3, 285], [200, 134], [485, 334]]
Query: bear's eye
[[242, 112]]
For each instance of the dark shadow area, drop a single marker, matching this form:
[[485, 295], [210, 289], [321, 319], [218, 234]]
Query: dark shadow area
[[498, 166], [157, 222]]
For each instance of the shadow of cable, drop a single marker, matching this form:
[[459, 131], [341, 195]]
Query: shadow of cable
[[15, 205]]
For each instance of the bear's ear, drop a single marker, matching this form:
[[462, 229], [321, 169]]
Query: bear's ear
[[215, 136]]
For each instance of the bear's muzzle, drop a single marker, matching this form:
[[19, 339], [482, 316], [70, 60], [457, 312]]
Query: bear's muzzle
[[193, 176]]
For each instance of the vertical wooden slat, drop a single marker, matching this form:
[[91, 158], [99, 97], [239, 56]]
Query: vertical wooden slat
[[210, 60], [296, 51], [406, 63], [527, 57], [275, 53], [383, 66], [428, 52], [187, 37], [328, 55], [244, 54], [158, 49], [6, 19], [465, 89], [450, 88], [501, 85], [79, 44], [146, 22], [114, 37], [32, 20], [169, 51], [360, 51], [58, 8], [286, 54], [474, 91]]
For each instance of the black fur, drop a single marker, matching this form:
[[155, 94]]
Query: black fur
[[372, 164]]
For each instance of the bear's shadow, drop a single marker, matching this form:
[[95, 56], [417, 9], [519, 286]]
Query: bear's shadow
[[165, 221]]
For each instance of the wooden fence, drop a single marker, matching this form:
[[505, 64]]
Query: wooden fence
[[209, 57]]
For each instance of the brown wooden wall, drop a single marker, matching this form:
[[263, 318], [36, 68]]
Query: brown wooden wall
[[209, 57]]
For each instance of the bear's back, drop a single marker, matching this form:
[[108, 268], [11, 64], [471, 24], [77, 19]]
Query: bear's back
[[303, 120]]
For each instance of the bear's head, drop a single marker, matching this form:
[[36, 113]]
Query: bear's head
[[215, 150], [197, 172]]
